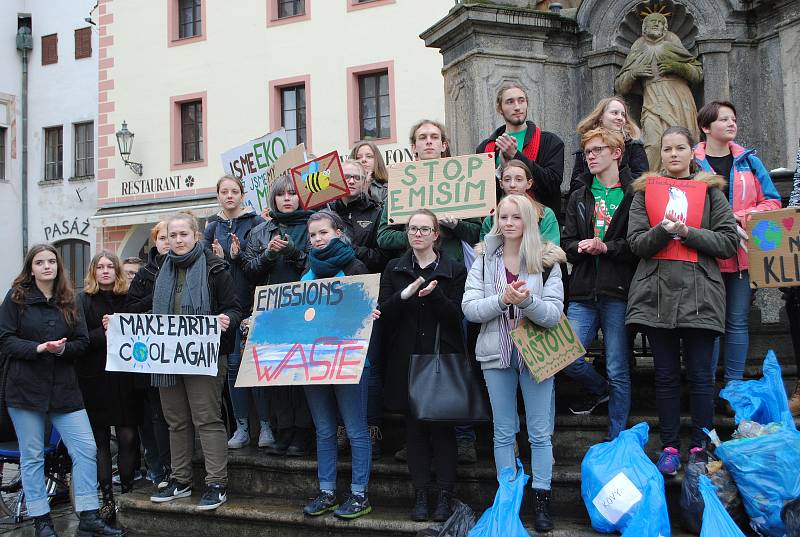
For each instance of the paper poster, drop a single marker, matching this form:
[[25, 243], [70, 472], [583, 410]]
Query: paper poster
[[685, 201], [251, 162], [320, 181], [547, 351]]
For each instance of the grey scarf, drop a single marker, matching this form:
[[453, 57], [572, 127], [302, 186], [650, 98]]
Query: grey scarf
[[194, 299]]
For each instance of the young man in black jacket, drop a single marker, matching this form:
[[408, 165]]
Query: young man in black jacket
[[595, 240], [541, 151]]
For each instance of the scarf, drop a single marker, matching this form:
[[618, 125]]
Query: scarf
[[195, 299], [329, 261], [510, 317], [293, 218]]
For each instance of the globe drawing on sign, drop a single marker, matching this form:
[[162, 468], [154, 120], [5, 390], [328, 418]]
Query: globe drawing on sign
[[767, 235], [139, 352]]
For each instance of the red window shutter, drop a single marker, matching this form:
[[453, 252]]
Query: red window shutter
[[83, 43], [49, 49]]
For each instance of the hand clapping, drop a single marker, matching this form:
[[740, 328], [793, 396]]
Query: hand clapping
[[515, 293]]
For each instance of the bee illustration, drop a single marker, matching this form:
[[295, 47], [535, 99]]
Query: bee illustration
[[315, 180]]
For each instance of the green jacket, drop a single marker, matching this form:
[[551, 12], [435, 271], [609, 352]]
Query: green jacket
[[394, 241], [548, 226], [679, 294]]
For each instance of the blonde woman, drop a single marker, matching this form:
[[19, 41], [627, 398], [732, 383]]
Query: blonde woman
[[368, 154]]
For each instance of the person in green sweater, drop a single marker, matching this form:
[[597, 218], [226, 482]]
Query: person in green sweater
[[517, 179], [429, 141]]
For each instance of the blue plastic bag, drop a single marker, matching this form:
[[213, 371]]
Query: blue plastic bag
[[765, 469], [716, 520], [502, 518], [763, 400], [622, 488]]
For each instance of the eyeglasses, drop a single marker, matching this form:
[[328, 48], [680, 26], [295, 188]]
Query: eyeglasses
[[424, 230], [594, 150], [354, 177]]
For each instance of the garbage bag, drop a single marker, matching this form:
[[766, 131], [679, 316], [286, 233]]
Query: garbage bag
[[692, 504], [765, 471], [622, 488], [502, 518], [763, 400], [716, 520], [458, 525], [790, 514]]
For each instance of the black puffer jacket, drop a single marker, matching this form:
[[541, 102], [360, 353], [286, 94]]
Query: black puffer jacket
[[361, 217], [265, 268], [41, 382], [608, 274], [140, 294]]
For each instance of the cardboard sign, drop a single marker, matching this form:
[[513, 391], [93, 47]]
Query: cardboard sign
[[320, 181], [462, 187], [168, 344], [294, 157], [309, 332], [685, 201], [547, 351], [773, 249], [250, 163]]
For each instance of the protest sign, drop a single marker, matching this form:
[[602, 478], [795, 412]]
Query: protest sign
[[320, 181], [547, 351], [294, 157], [461, 187], [309, 332], [251, 161], [684, 200], [168, 344], [774, 247]]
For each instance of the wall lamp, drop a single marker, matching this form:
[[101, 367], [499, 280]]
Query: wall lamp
[[125, 143]]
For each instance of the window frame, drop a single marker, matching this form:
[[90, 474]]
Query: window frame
[[174, 21], [354, 75], [47, 59], [176, 130], [88, 156], [59, 163], [273, 10], [355, 5], [298, 126], [3, 131], [276, 88], [70, 260]]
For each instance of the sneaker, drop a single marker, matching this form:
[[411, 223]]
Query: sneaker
[[669, 462], [375, 438], [215, 495], [698, 454], [466, 452], [116, 480], [794, 400], [401, 455], [323, 503], [240, 439], [588, 403], [172, 491], [265, 437], [282, 441], [356, 505], [342, 442], [301, 443]]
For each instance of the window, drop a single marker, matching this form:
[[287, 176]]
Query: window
[[2, 153], [83, 43], [291, 8], [53, 153], [75, 255], [49, 49], [191, 131], [84, 149], [189, 15], [293, 113], [373, 104]]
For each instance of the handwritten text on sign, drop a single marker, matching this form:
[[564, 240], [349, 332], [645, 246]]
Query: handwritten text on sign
[[310, 332], [251, 161], [774, 248], [168, 344], [462, 187], [547, 351]]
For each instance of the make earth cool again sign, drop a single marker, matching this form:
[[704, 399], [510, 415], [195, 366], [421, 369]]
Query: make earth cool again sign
[[167, 344]]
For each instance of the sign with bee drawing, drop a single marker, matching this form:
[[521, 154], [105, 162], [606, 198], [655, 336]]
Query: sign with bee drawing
[[319, 181]]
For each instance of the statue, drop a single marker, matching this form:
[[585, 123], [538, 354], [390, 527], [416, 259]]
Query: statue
[[660, 67]]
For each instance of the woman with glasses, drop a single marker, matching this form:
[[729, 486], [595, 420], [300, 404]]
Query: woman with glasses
[[420, 299]]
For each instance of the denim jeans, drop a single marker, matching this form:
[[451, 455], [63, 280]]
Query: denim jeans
[[375, 382], [608, 314], [539, 398], [240, 397], [697, 346], [738, 296], [350, 400], [76, 432]]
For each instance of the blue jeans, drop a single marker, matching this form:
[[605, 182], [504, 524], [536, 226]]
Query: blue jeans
[[539, 401], [586, 317], [76, 433], [350, 400], [240, 397], [737, 319]]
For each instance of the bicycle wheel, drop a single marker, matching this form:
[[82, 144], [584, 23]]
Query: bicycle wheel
[[12, 500]]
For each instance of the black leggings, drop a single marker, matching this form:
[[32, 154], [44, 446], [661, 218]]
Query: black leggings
[[128, 459]]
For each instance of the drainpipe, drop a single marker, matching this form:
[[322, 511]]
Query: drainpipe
[[24, 44]]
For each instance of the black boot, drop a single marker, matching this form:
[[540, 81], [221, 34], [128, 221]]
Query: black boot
[[419, 513], [91, 525], [43, 525], [444, 506], [541, 510], [108, 509]]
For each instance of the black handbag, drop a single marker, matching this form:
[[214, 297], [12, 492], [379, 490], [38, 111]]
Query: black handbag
[[446, 388]]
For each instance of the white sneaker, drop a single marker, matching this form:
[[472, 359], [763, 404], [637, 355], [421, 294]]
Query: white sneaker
[[240, 439], [265, 438]]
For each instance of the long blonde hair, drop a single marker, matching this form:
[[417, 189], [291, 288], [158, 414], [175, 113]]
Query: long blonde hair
[[530, 250], [90, 285], [379, 171], [592, 121]]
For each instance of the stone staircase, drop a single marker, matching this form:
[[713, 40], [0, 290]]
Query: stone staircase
[[266, 494]]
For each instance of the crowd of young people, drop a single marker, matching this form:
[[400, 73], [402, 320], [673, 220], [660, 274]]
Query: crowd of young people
[[447, 285]]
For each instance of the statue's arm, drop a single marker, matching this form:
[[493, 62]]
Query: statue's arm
[[627, 77]]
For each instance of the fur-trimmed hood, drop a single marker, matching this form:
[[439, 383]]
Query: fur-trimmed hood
[[712, 180], [551, 253]]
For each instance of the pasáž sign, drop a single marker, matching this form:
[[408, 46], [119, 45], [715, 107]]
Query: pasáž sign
[[547, 351], [461, 187]]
